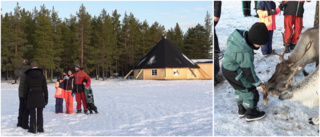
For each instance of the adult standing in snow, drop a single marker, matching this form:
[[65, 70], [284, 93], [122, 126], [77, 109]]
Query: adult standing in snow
[[267, 12], [217, 13], [23, 117], [68, 83], [36, 94], [293, 13], [238, 68], [78, 88], [246, 8]]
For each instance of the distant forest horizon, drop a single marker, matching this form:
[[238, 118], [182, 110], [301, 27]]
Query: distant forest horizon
[[103, 45]]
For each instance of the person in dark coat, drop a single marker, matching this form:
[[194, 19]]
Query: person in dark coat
[[293, 21], [246, 8], [23, 117], [36, 95], [217, 13]]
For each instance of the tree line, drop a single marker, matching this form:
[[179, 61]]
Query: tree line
[[103, 45]]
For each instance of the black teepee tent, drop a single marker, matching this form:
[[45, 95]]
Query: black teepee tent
[[165, 55]]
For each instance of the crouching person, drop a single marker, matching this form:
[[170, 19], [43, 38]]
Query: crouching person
[[89, 97], [36, 95], [238, 69]]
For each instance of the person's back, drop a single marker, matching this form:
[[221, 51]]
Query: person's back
[[36, 94]]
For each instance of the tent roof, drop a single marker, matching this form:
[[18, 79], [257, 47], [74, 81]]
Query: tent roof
[[165, 55]]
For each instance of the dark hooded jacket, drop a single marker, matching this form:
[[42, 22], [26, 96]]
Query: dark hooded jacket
[[35, 89]]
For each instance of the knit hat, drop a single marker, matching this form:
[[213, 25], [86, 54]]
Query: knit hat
[[77, 65], [34, 64], [84, 80], [258, 34]]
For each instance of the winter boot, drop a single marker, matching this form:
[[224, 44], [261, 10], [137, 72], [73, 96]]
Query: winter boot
[[241, 110], [254, 114], [292, 46], [40, 130], [90, 111], [19, 122], [78, 110], [86, 112], [96, 111]]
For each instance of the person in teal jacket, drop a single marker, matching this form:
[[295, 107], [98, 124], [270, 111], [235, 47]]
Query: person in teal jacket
[[89, 97], [238, 68]]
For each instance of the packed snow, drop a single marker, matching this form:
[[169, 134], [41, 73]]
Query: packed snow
[[126, 108], [283, 118]]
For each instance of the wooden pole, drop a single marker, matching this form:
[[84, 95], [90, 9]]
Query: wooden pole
[[139, 73], [205, 72], [128, 74], [193, 73]]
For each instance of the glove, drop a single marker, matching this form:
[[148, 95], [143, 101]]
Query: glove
[[72, 94], [282, 5], [271, 12]]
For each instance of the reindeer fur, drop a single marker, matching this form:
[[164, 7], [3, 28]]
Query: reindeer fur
[[305, 91]]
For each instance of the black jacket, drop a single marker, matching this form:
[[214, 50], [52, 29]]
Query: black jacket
[[35, 89], [68, 83], [217, 8], [294, 8]]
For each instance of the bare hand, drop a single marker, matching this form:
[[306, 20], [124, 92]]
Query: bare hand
[[261, 88], [216, 19]]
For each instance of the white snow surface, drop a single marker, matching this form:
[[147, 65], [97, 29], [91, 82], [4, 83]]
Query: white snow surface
[[283, 118], [126, 108]]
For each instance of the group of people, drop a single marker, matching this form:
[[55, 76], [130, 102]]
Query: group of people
[[74, 84], [238, 67], [33, 94]]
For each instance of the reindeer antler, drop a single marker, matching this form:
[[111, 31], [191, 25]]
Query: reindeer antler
[[281, 56], [308, 46], [288, 81]]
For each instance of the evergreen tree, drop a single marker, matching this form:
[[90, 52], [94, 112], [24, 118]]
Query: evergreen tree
[[56, 43], [43, 51], [118, 42], [19, 38], [7, 44], [209, 35], [84, 29], [196, 43]]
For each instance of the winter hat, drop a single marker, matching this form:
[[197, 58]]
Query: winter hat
[[84, 80], [77, 65], [34, 64], [258, 34]]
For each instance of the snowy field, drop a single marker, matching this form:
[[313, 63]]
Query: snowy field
[[283, 118], [126, 108]]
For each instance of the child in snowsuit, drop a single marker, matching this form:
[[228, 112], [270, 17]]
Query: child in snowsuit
[[238, 68], [89, 98], [59, 95], [267, 12]]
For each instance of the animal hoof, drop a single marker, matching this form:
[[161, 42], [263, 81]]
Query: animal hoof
[[311, 122]]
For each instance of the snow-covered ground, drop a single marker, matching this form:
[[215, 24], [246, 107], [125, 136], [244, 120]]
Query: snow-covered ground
[[126, 108], [283, 118]]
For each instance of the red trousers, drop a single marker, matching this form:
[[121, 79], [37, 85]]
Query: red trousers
[[289, 21], [81, 97], [69, 101]]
